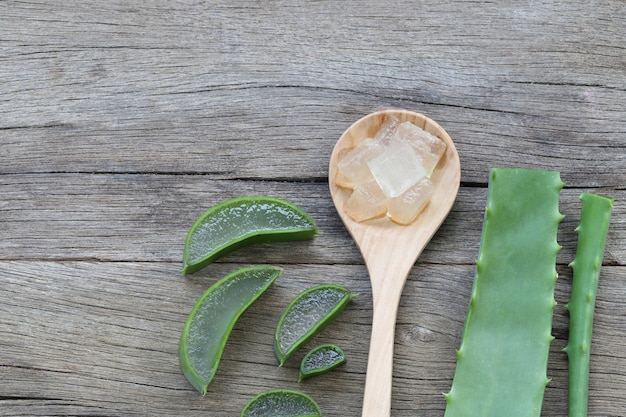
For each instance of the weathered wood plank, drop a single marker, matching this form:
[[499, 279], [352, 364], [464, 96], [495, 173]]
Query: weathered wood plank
[[146, 217], [276, 146], [84, 87], [75, 331]]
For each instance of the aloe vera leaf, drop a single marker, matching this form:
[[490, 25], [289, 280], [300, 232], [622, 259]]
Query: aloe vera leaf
[[307, 315], [281, 403], [240, 222], [594, 223], [321, 359], [213, 317], [502, 361]]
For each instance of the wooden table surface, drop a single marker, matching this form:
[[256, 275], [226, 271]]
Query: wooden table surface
[[122, 121]]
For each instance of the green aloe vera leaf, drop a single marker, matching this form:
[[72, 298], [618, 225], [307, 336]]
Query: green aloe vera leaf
[[594, 224], [502, 361], [281, 403], [321, 359], [240, 222], [308, 314], [212, 319]]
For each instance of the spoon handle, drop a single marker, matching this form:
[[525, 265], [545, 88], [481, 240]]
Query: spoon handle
[[377, 396], [378, 381]]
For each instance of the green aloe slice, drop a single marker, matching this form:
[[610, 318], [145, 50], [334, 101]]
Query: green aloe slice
[[281, 403], [502, 361], [592, 231], [320, 360], [240, 222], [212, 319], [307, 315]]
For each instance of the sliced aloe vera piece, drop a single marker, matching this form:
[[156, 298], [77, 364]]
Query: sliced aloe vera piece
[[502, 361], [592, 231], [240, 222], [212, 319], [281, 403], [307, 315], [320, 360]]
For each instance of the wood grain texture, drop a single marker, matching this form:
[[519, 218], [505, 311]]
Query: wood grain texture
[[78, 332], [121, 122]]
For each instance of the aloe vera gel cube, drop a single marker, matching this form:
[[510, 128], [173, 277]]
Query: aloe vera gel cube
[[405, 208], [354, 162], [367, 202], [501, 366], [397, 169], [426, 145]]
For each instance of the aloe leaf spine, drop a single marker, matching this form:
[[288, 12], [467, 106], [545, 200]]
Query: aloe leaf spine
[[592, 231], [502, 360]]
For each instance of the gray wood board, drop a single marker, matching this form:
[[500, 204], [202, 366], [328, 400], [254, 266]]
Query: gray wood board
[[121, 122]]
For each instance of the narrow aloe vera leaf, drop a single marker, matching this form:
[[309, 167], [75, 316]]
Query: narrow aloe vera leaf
[[594, 224], [502, 361], [212, 319], [240, 222], [308, 314], [281, 403], [321, 359]]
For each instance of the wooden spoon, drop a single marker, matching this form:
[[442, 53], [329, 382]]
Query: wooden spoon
[[389, 249]]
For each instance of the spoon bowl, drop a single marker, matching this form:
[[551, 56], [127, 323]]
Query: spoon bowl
[[389, 249]]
